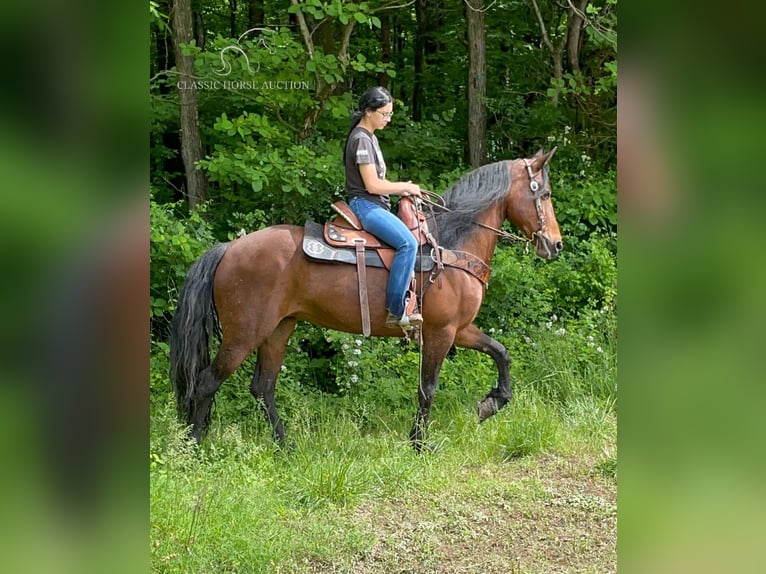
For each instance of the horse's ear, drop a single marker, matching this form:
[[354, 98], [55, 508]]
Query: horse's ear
[[541, 160], [539, 152]]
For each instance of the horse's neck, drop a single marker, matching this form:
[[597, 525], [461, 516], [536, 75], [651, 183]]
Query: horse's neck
[[483, 241]]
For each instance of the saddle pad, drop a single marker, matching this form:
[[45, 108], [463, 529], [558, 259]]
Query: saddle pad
[[315, 247]]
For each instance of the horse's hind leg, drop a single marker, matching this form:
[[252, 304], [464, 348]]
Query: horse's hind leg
[[270, 356], [227, 360]]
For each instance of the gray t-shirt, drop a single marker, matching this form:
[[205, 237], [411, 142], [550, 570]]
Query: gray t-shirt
[[362, 147]]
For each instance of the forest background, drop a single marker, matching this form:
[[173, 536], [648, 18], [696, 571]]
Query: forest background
[[250, 105]]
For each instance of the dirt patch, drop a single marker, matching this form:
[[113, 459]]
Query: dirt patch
[[549, 514]]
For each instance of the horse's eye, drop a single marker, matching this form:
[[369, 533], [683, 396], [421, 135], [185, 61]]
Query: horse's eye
[[547, 195]]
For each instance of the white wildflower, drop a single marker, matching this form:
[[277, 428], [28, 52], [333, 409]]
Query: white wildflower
[[357, 352], [358, 342], [345, 347], [548, 324], [283, 368], [352, 364], [551, 138], [599, 349], [354, 379], [561, 331]]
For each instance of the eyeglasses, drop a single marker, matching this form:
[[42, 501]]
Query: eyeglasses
[[387, 115]]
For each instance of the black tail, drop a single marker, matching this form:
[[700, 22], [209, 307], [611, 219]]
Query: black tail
[[194, 322]]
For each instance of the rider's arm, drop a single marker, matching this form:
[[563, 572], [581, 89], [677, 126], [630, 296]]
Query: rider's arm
[[378, 186]]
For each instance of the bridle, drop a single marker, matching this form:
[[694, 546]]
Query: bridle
[[538, 191]]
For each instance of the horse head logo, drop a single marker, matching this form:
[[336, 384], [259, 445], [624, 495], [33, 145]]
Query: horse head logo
[[226, 67]]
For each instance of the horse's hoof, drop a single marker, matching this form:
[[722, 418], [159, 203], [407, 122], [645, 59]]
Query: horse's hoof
[[487, 408], [286, 446], [424, 447]]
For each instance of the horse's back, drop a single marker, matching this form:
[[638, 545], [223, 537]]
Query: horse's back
[[265, 249], [256, 266]]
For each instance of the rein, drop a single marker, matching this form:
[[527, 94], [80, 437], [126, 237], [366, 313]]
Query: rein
[[436, 200], [501, 232]]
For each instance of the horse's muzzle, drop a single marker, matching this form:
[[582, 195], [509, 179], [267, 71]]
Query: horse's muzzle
[[548, 248]]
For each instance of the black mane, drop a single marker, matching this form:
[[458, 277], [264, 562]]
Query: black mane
[[473, 192]]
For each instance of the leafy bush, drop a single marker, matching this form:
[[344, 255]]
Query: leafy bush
[[176, 241], [524, 289], [258, 167], [585, 205]]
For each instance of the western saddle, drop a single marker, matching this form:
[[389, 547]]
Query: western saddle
[[346, 231], [343, 240]]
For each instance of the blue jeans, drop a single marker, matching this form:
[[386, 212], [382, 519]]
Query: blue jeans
[[389, 228]]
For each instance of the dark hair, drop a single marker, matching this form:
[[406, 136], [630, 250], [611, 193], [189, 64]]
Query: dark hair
[[372, 99]]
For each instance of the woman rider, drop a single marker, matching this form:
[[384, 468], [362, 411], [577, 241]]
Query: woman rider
[[367, 193]]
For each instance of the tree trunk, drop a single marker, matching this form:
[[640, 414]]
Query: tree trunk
[[198, 25], [233, 18], [385, 47], [558, 74], [420, 56], [574, 33], [557, 53], [191, 146], [255, 14], [324, 33], [477, 83]]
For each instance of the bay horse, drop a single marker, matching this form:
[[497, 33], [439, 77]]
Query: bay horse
[[252, 291]]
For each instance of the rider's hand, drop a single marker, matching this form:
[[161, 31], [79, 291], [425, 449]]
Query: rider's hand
[[412, 189]]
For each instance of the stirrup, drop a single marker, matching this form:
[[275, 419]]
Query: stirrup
[[405, 322]]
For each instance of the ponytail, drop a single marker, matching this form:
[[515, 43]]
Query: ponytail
[[372, 99]]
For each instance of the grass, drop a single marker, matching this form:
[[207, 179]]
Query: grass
[[532, 490]]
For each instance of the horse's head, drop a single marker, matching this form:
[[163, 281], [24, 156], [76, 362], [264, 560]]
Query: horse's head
[[529, 206]]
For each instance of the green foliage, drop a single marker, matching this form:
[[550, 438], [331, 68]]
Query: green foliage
[[175, 243], [524, 290], [568, 360], [534, 428], [586, 205], [273, 155], [439, 149], [584, 277], [258, 166]]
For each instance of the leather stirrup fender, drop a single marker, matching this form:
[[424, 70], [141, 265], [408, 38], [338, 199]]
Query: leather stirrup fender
[[361, 271]]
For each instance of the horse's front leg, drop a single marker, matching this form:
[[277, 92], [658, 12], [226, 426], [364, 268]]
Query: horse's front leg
[[471, 337], [436, 344]]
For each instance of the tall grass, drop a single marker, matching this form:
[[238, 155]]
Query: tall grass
[[239, 503]]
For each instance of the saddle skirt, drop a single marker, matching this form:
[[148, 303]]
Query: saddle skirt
[[332, 242]]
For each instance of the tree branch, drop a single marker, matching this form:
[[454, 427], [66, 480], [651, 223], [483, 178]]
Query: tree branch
[[592, 24], [546, 39], [347, 30], [391, 7], [304, 30]]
